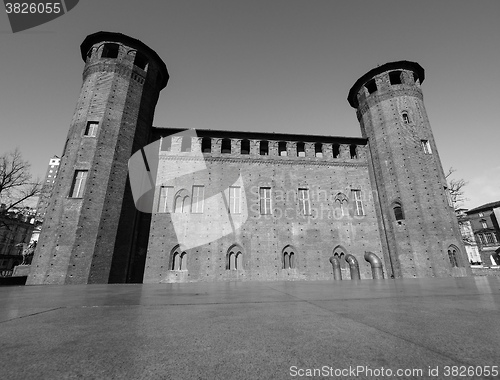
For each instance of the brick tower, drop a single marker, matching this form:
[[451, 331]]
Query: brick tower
[[90, 233], [419, 229]]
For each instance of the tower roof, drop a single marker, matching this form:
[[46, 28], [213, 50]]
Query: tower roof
[[94, 38], [405, 65]]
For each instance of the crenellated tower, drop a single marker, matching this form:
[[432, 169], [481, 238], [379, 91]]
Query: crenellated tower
[[419, 229], [90, 233]]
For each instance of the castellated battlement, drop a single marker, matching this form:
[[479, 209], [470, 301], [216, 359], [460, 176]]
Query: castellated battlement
[[265, 146]]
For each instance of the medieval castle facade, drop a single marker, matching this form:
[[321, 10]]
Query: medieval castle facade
[[137, 203]]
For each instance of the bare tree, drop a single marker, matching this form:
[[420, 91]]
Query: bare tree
[[456, 189], [16, 183]]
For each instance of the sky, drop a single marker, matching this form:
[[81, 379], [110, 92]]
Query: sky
[[272, 66]]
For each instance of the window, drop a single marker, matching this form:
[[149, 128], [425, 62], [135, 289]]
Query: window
[[265, 200], [336, 150], [398, 212], [481, 214], [181, 203], [353, 149], [264, 148], [110, 51], [166, 143], [340, 202], [452, 255], [186, 144], [304, 202], [371, 86], [406, 118], [448, 196], [162, 202], [78, 185], [198, 199], [318, 149], [206, 145], [91, 128], [140, 61], [245, 147], [288, 258], [301, 149], [484, 224], [225, 146], [426, 146], [234, 258], [282, 148], [179, 259], [481, 238], [235, 199], [395, 77], [489, 238], [358, 202]]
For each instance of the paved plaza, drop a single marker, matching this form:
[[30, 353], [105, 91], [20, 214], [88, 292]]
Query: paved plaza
[[247, 330]]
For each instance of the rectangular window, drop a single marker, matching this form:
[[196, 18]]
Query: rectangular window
[[162, 203], [481, 238], [265, 200], [78, 185], [304, 202], [235, 200], [484, 224], [489, 238], [481, 214], [198, 199], [358, 202], [426, 146], [91, 128]]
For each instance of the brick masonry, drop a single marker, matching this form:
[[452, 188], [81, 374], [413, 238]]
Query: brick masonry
[[100, 237]]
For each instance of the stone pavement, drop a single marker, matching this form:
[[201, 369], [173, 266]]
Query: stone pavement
[[248, 330]]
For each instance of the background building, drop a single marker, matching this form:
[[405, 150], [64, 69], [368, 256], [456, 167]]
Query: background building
[[468, 237], [47, 186], [484, 222], [218, 199]]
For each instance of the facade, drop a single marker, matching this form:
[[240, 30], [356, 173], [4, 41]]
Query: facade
[[468, 237], [16, 229], [48, 186], [484, 221], [219, 205]]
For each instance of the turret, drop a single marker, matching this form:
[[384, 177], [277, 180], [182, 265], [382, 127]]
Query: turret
[[419, 229], [89, 233]]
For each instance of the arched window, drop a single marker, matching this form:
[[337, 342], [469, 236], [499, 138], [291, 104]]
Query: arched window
[[288, 257], [340, 253], [398, 211], [234, 257], [181, 202], [406, 118], [179, 259], [453, 256], [341, 204]]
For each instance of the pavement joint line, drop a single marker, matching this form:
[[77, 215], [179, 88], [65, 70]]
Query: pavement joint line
[[454, 359], [32, 314]]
